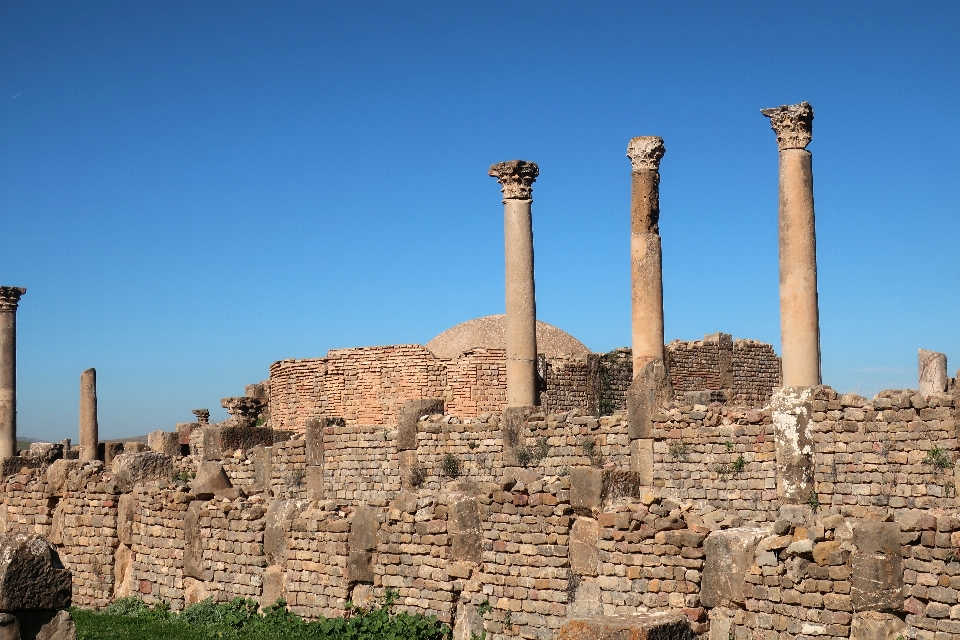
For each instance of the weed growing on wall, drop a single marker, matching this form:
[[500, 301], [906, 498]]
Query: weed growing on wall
[[592, 451], [450, 466], [939, 458], [532, 456], [679, 451]]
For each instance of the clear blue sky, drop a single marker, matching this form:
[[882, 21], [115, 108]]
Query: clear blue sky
[[193, 190]]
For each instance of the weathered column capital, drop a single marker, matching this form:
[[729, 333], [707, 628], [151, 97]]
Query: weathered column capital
[[645, 152], [10, 297], [516, 178], [793, 124]]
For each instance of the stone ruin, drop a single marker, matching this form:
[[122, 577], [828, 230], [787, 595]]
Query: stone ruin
[[664, 491]]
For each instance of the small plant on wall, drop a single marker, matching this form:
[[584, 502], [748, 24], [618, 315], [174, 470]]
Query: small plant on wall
[[450, 466]]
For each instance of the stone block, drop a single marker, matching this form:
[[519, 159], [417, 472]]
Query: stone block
[[876, 582], [463, 522], [878, 537], [110, 451], [871, 625], [586, 488], [641, 460], [412, 473], [126, 504], [220, 441], [933, 373], [193, 543], [586, 600], [262, 458], [274, 585], [316, 489], [210, 479], [360, 567], [194, 591], [649, 626], [132, 469], [10, 627], [584, 535], [729, 555], [364, 527], [32, 575], [122, 571], [514, 425], [313, 436], [57, 474], [410, 415], [47, 625], [280, 515], [646, 394], [165, 442], [792, 409], [468, 624]]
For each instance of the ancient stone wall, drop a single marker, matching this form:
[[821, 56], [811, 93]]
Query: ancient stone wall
[[369, 385], [516, 523]]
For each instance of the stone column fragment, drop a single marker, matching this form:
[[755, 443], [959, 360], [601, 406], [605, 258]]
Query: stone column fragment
[[516, 178], [89, 430], [9, 300], [933, 372], [799, 310]]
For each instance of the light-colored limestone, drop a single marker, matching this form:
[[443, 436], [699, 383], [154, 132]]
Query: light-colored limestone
[[89, 437], [9, 300], [933, 372], [799, 310], [516, 178]]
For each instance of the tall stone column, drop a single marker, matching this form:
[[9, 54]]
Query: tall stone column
[[651, 383], [516, 178], [9, 300], [799, 311], [646, 269], [89, 429]]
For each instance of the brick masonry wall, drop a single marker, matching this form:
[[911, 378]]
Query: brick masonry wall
[[756, 373]]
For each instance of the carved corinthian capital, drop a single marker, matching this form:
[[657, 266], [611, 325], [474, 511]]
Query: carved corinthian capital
[[793, 124], [645, 152], [10, 297], [515, 178]]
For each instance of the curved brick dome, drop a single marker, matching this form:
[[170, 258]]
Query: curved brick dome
[[490, 332]]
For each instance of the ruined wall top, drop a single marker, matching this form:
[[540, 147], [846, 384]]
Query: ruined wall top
[[10, 297], [645, 152], [793, 124], [516, 178]]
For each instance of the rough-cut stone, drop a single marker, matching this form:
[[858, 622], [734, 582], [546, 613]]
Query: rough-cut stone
[[194, 591], [649, 626], [9, 627], [360, 567], [468, 624], [193, 543], [218, 441], [165, 442], [870, 625], [466, 541], [280, 513], [641, 460], [32, 575], [586, 488], [792, 415], [274, 585], [244, 411], [57, 474], [364, 527], [876, 582], [47, 625], [729, 554], [514, 425], [651, 387], [410, 416], [584, 535], [210, 479], [132, 469], [933, 373]]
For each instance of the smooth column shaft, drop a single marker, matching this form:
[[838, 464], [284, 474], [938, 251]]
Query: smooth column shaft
[[8, 383], [646, 270], [89, 436], [521, 306], [799, 309]]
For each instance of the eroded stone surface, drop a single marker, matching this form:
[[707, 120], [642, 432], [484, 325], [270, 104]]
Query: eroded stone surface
[[32, 575], [729, 555], [132, 469], [651, 626]]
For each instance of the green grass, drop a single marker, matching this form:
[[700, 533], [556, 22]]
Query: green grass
[[131, 619]]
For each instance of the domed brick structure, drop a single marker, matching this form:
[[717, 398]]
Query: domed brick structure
[[489, 332]]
